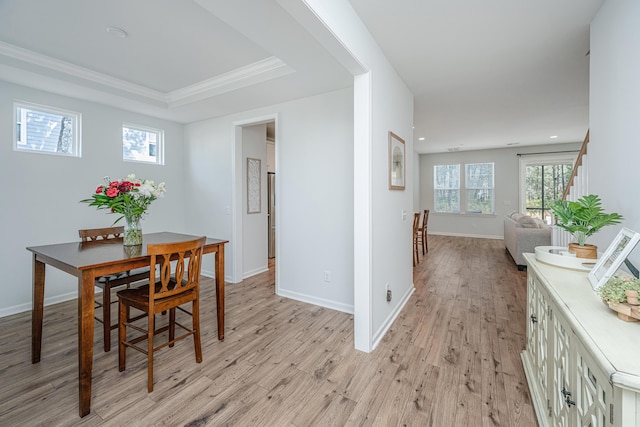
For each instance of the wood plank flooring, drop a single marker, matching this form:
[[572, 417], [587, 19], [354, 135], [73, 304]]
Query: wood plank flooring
[[452, 358]]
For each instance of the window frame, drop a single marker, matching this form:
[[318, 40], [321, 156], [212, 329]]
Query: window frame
[[546, 159], [159, 143], [45, 109], [492, 188], [435, 189]]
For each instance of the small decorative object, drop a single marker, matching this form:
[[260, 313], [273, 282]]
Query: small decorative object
[[129, 197], [561, 257], [582, 219], [620, 293], [613, 258], [132, 251], [396, 162]]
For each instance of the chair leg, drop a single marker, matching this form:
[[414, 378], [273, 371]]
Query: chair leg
[[413, 253], [150, 332], [424, 241], [195, 317], [122, 335], [106, 316], [172, 325]]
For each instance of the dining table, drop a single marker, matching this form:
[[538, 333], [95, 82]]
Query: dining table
[[88, 260]]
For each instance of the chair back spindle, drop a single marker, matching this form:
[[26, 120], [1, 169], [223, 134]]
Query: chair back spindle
[[99, 234], [170, 282]]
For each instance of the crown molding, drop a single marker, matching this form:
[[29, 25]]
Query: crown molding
[[67, 68], [256, 72]]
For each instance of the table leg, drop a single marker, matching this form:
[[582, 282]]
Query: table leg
[[38, 309], [219, 267], [85, 339]]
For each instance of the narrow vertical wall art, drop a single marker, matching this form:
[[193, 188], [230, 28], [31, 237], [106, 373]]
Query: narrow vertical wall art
[[396, 162], [253, 185]]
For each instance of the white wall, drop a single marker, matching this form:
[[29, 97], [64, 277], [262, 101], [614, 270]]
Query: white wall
[[506, 170], [614, 105], [315, 192], [392, 223], [254, 236], [382, 103], [41, 193]]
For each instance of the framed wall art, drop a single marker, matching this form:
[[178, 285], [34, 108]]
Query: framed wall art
[[615, 255], [397, 169], [253, 185]]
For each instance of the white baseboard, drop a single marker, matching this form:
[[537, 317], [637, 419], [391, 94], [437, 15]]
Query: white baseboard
[[391, 318], [211, 274], [477, 236], [255, 271], [334, 305], [21, 308]]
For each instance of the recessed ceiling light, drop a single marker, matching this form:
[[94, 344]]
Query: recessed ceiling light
[[117, 32], [553, 136], [421, 138]]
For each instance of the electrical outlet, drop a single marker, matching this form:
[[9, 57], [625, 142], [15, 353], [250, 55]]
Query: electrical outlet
[[388, 291], [327, 276]]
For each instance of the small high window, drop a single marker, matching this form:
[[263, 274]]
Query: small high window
[[45, 129], [142, 144]]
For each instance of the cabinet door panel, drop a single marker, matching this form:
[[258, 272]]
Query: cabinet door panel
[[537, 330], [594, 392], [561, 394]]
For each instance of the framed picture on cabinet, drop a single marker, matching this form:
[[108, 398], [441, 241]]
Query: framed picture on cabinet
[[616, 257], [397, 170]]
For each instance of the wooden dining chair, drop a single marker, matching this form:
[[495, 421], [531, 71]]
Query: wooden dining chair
[[416, 232], [422, 232], [106, 283], [172, 288]]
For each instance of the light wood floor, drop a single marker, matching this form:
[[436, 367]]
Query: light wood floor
[[450, 359]]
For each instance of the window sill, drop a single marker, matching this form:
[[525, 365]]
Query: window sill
[[473, 214]]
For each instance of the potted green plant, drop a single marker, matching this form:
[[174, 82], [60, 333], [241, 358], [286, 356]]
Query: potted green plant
[[583, 218], [620, 293]]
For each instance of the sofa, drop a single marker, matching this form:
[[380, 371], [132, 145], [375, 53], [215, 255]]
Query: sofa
[[522, 234]]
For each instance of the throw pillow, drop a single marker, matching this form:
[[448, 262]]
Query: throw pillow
[[526, 221]]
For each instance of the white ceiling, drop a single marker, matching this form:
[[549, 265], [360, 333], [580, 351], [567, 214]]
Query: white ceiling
[[489, 73], [485, 74]]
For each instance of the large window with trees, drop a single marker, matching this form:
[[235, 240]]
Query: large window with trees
[[478, 180], [43, 129], [543, 179], [446, 188], [478, 184]]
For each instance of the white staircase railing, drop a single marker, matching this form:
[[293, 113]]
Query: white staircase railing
[[577, 189]]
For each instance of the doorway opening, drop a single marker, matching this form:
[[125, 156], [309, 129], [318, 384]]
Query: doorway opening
[[254, 233]]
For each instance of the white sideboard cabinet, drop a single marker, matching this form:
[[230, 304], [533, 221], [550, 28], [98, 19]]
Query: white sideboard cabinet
[[582, 363]]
